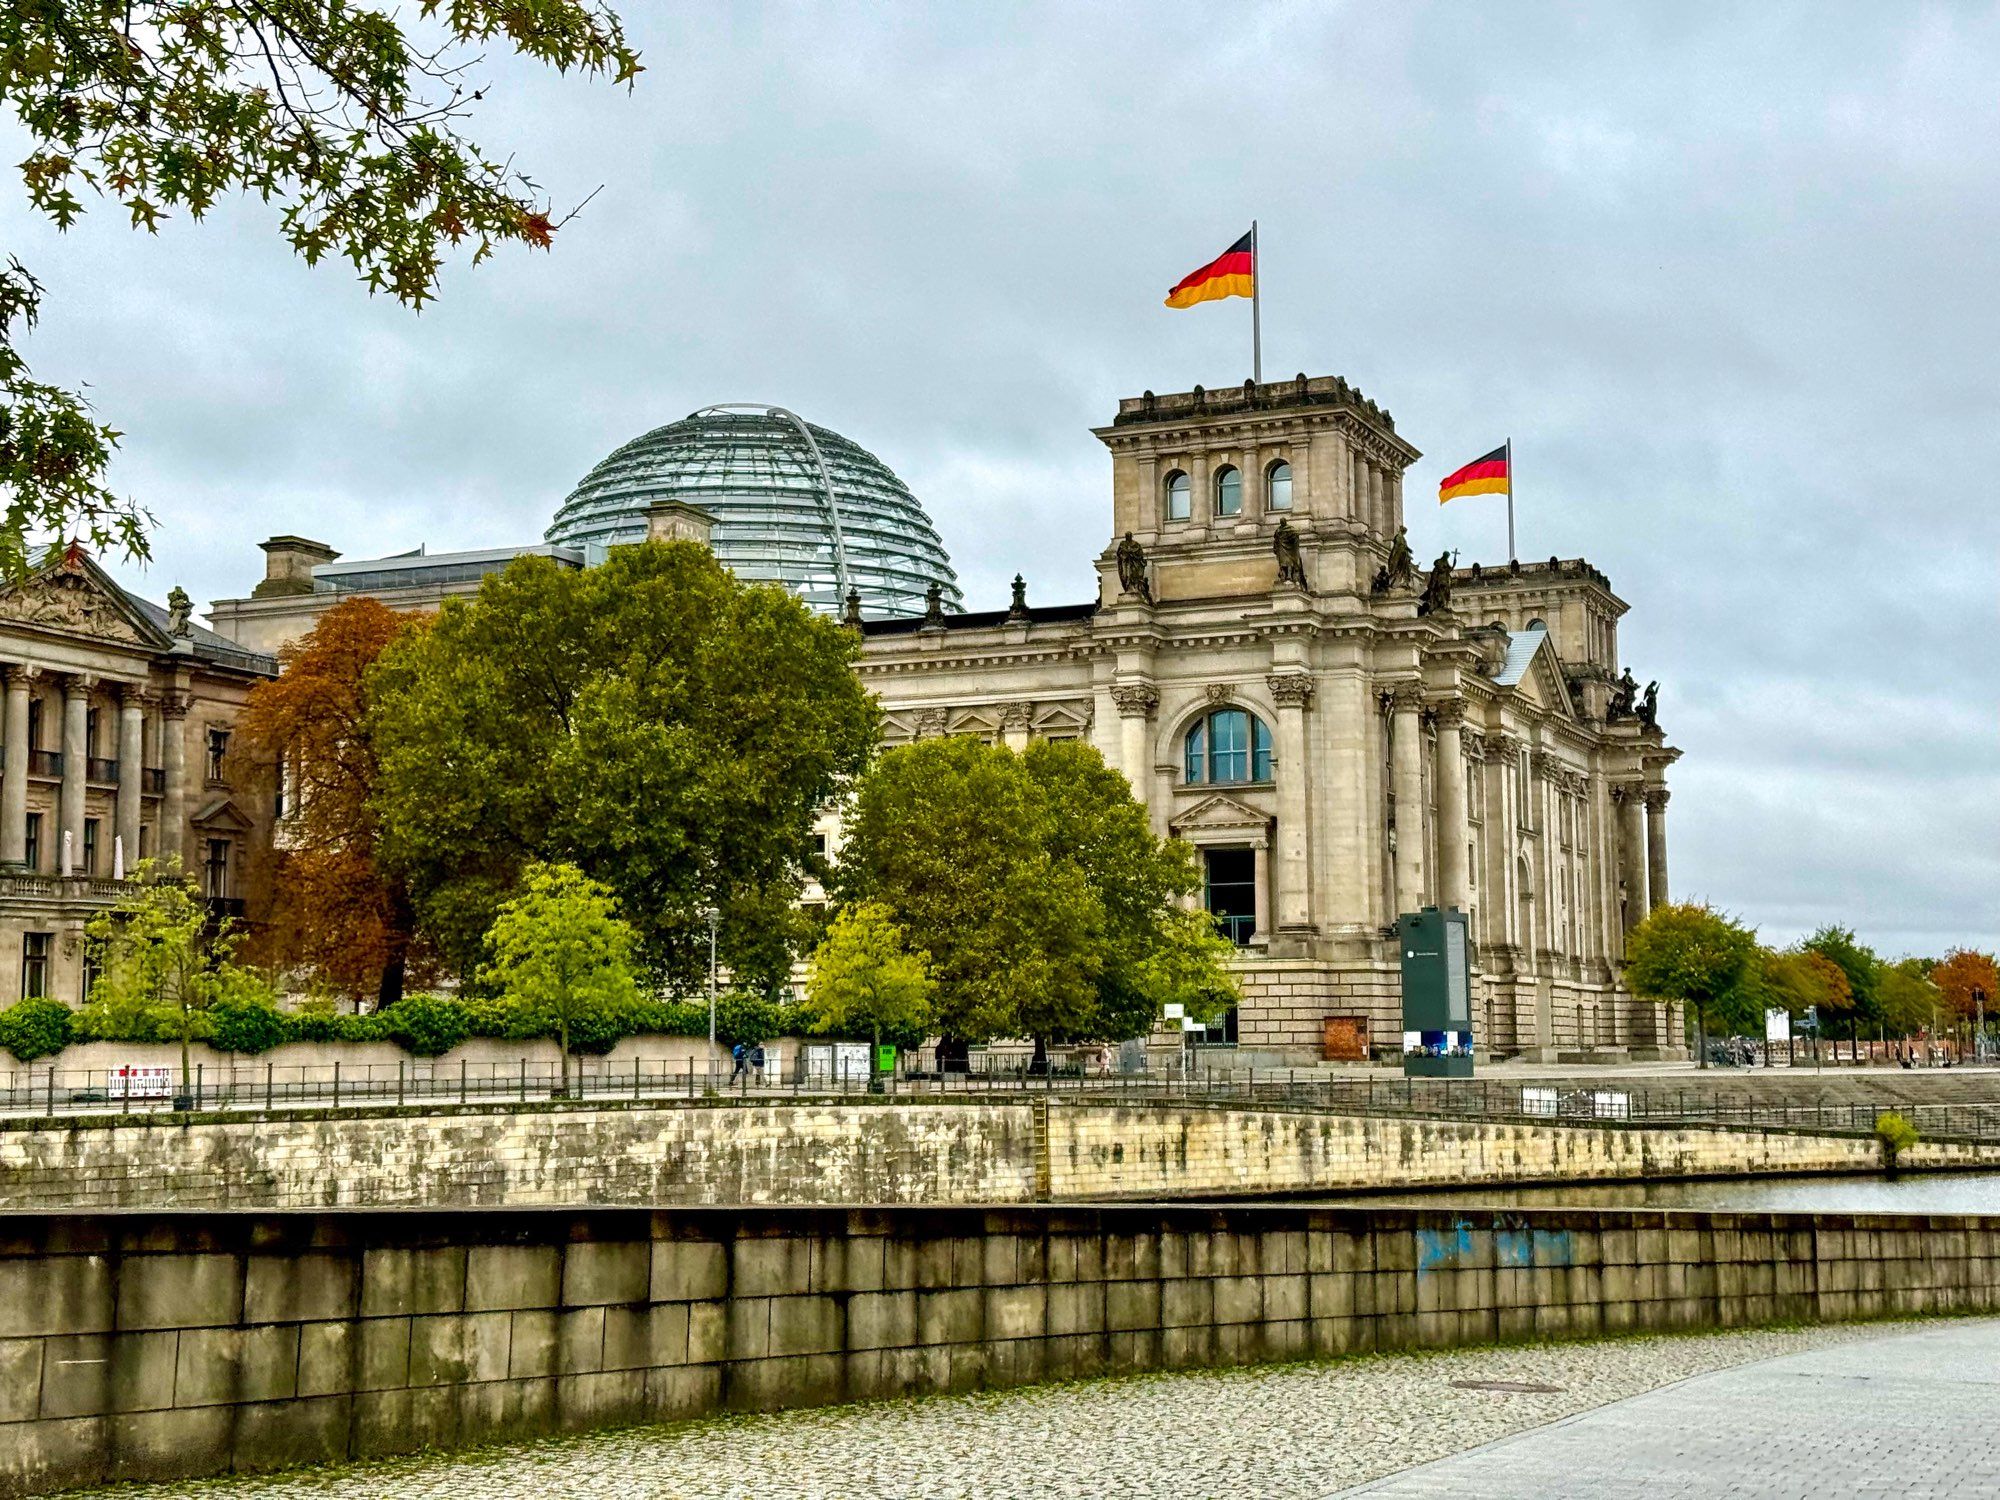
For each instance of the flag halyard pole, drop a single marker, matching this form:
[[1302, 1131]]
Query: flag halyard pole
[[1512, 555], [1256, 308]]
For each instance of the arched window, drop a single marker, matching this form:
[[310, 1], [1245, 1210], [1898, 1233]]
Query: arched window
[[1228, 745], [1228, 491], [1278, 486], [1180, 496]]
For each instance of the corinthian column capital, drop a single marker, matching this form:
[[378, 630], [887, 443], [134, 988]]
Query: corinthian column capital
[[1290, 689]]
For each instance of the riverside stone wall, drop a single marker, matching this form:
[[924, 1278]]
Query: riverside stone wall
[[152, 1346], [653, 1155]]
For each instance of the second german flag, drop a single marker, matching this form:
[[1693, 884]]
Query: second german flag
[[1483, 476], [1231, 274]]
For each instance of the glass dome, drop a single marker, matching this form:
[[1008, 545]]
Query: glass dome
[[793, 504]]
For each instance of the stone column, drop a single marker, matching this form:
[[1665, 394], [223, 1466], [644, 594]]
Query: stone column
[[1293, 691], [1406, 781], [1453, 827], [14, 771], [1014, 720], [131, 768], [1656, 846], [76, 755], [1260, 854], [1136, 702], [1631, 850], [173, 759]]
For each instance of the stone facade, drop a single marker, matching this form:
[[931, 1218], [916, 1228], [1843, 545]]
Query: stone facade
[[159, 1346], [1467, 743], [117, 720]]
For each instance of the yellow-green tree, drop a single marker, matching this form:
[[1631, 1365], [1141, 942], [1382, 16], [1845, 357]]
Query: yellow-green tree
[[562, 951], [1689, 954], [865, 981]]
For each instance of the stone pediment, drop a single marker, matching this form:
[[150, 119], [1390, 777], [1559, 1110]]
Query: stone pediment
[[1221, 814], [220, 815], [75, 597], [1542, 684]]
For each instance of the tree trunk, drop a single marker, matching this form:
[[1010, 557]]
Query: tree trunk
[[1701, 1034], [401, 922], [562, 1041], [1039, 1068]]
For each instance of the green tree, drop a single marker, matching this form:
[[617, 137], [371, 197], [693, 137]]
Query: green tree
[[865, 981], [668, 729], [1908, 999], [1034, 883], [343, 113], [561, 949], [160, 954], [1687, 954], [1863, 971]]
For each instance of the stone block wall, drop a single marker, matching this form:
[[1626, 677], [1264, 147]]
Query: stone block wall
[[152, 1346], [654, 1154]]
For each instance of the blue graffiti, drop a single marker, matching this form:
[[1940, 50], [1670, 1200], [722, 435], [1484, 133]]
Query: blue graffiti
[[1515, 1246]]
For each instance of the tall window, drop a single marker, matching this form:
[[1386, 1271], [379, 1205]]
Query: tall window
[[1180, 496], [1229, 891], [32, 852], [35, 949], [90, 731], [1228, 491], [1278, 486], [1227, 745], [90, 845], [218, 747], [34, 724], [215, 870]]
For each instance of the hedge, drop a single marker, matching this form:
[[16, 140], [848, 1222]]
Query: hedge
[[423, 1025]]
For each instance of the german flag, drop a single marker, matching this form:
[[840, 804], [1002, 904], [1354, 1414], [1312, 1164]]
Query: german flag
[[1483, 476], [1231, 274]]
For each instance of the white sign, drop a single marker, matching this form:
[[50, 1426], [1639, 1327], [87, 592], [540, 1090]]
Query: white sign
[[140, 1083], [835, 1062], [1777, 1026], [1611, 1106], [1175, 1010], [1538, 1102]]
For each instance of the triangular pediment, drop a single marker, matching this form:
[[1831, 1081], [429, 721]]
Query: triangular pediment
[[220, 815], [1541, 681], [73, 596], [1219, 813]]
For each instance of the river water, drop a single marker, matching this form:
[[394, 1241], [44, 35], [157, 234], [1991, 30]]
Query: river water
[[1914, 1193]]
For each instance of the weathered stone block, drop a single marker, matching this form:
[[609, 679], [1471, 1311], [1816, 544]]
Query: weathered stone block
[[282, 1434], [237, 1364], [299, 1288], [606, 1272], [1016, 1312], [179, 1291], [674, 1395], [504, 1277], [153, 1446], [689, 1271], [643, 1337], [773, 1267], [580, 1341], [56, 1294], [950, 1317], [397, 1282], [1077, 1309]]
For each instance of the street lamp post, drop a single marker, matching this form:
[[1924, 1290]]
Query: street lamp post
[[1979, 1026], [714, 920]]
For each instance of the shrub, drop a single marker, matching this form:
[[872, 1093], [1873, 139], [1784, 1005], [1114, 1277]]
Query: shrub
[[426, 1025], [249, 1023], [370, 1028], [743, 1017], [115, 1016], [1895, 1133], [498, 1016], [316, 1020], [36, 1027]]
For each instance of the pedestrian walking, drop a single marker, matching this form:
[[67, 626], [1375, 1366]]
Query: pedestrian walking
[[757, 1062], [741, 1055]]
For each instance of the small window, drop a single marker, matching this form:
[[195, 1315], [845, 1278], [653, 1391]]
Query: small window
[[218, 749], [1228, 745], [1229, 891], [1278, 486], [215, 870], [90, 845], [31, 854], [1180, 496], [35, 950], [34, 725], [1229, 491], [92, 972], [90, 731]]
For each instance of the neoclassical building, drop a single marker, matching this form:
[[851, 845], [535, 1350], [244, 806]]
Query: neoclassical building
[[116, 728], [1339, 744], [1340, 735]]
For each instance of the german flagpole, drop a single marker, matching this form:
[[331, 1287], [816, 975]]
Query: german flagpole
[[1511, 555], [1257, 318]]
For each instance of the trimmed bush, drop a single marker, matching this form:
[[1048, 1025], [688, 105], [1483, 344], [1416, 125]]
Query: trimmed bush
[[426, 1025], [250, 1024], [36, 1027], [1895, 1133]]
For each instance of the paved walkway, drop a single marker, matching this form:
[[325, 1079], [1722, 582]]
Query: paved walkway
[[1913, 1414]]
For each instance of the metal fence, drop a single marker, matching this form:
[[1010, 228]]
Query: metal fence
[[46, 1092]]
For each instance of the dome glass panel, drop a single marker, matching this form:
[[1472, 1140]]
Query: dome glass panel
[[779, 517]]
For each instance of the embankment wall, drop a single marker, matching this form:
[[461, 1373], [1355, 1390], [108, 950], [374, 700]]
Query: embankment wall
[[154, 1346]]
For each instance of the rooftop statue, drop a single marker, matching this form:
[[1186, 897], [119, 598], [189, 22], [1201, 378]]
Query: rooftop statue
[[1437, 589], [1132, 569], [1400, 571], [1624, 692], [1649, 707], [934, 605], [180, 610], [1291, 561]]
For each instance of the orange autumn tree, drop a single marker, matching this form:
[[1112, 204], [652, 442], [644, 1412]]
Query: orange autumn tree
[[336, 913], [1968, 980]]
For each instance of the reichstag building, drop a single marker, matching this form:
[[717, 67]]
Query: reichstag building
[[1340, 732]]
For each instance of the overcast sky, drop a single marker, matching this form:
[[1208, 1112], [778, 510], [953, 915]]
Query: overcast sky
[[1728, 275]]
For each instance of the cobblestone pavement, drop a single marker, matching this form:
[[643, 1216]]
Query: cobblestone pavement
[[1906, 1416], [1272, 1433]]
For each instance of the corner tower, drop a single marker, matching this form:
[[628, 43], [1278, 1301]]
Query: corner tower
[[1201, 480]]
